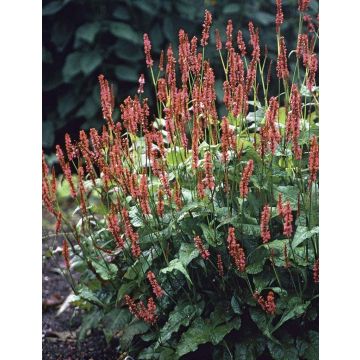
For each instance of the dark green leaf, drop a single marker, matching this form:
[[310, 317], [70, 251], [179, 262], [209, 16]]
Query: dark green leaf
[[187, 253], [124, 31], [53, 7], [137, 327], [90, 61], [72, 66], [114, 321], [295, 309], [176, 264], [106, 271], [89, 322], [249, 348], [232, 8], [87, 32], [235, 305], [126, 73], [182, 315]]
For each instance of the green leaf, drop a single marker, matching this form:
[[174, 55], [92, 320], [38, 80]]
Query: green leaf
[[121, 13], [140, 266], [129, 51], [71, 67], [256, 260], [86, 294], [182, 315], [260, 318], [106, 271], [90, 61], [232, 8], [187, 253], [135, 328], [295, 309], [176, 156], [124, 31], [149, 7], [209, 235], [126, 73], [235, 305], [302, 234], [289, 193], [283, 352], [249, 348], [66, 103], [176, 264], [124, 289], [114, 321], [202, 331], [87, 32], [53, 7], [88, 322], [309, 348]]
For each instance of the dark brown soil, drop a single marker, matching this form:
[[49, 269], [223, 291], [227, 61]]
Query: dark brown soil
[[59, 333]]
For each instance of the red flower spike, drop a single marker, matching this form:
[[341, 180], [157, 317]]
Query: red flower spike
[[58, 222], [206, 28], [260, 300], [288, 219], [70, 148], [141, 84], [209, 177], [161, 89], [177, 196], [160, 204], [114, 228], [229, 31], [131, 234], [157, 290], [313, 160], [244, 183], [65, 253], [200, 188], [270, 135], [316, 271], [270, 303], [312, 67], [241, 43], [264, 224], [205, 254], [218, 40], [286, 257], [107, 100], [147, 49], [302, 48], [293, 121], [303, 5], [161, 61], [279, 15], [282, 67], [236, 251]]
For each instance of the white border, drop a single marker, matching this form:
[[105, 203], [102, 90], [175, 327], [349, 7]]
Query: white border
[[339, 179], [20, 264], [20, 179]]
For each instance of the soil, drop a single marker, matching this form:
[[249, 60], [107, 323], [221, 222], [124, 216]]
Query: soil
[[59, 333]]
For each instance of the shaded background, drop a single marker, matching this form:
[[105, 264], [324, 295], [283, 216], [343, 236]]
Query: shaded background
[[83, 38]]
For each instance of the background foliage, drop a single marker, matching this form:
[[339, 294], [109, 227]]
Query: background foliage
[[82, 39]]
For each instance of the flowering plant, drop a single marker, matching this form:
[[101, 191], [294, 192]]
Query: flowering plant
[[192, 228]]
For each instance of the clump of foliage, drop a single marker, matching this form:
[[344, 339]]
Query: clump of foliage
[[193, 229], [84, 37]]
